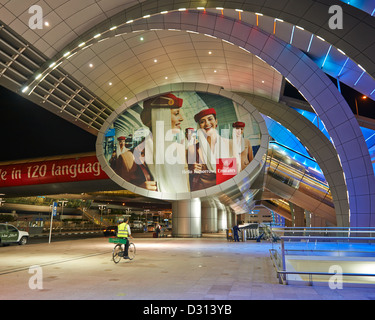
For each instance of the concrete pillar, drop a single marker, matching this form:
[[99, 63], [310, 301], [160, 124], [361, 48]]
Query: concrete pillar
[[209, 216], [186, 218], [317, 222], [299, 216], [221, 216], [230, 217]]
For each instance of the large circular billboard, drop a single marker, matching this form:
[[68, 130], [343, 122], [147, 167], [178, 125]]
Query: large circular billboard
[[175, 143]]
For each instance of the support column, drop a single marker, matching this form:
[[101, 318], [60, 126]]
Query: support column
[[299, 216], [221, 217], [186, 218], [209, 216], [230, 218]]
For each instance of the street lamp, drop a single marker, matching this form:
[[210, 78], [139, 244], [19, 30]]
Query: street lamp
[[63, 202], [101, 208]]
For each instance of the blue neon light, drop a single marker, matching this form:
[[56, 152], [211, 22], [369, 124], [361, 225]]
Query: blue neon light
[[364, 5]]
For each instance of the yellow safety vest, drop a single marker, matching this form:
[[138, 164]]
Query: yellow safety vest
[[122, 231]]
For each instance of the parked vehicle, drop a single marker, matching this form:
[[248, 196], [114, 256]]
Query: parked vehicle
[[10, 234], [110, 231]]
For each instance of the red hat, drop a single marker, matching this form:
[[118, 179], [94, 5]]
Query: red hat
[[168, 100], [204, 113], [121, 138], [238, 124]]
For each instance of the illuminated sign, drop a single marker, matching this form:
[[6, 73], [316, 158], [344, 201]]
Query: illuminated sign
[[179, 142], [51, 171]]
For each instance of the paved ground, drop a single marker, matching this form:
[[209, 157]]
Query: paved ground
[[208, 268]]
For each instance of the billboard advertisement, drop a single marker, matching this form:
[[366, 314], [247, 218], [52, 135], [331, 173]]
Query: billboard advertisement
[[181, 142]]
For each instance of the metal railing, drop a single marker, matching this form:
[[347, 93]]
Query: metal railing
[[281, 274], [318, 236]]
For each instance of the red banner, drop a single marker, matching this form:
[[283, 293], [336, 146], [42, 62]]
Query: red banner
[[225, 169], [51, 171]]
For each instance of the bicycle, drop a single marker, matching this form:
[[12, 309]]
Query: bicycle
[[119, 249]]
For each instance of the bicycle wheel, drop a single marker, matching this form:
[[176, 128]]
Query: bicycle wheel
[[131, 251], [115, 253]]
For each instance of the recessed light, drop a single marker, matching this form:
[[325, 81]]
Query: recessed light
[[166, 78], [215, 71], [141, 38], [155, 60], [209, 52], [110, 83], [91, 65], [46, 23]]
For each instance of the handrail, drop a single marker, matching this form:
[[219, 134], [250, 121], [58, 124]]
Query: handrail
[[282, 280]]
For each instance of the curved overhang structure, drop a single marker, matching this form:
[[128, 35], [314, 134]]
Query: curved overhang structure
[[291, 36]]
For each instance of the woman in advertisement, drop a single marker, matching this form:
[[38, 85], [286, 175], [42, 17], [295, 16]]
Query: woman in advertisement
[[161, 152], [204, 156], [242, 145]]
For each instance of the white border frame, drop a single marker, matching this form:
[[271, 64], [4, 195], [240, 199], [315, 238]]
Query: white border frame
[[241, 180]]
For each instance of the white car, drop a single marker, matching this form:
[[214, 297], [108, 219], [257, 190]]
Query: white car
[[10, 234]]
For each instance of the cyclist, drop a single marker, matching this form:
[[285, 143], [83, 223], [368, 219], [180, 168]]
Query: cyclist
[[124, 232]]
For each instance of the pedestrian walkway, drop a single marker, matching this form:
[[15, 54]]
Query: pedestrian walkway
[[208, 268]]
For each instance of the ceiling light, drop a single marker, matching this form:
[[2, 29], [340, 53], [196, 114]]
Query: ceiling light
[[164, 12], [155, 60], [97, 35], [81, 44], [363, 69], [146, 16], [215, 71], [110, 83], [25, 89], [66, 54], [166, 78], [209, 52], [91, 65], [52, 64], [141, 38], [182, 9], [38, 76], [240, 10], [46, 23], [113, 28], [129, 21], [200, 8]]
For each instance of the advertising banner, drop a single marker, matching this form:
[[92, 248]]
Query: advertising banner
[[181, 142], [51, 171]]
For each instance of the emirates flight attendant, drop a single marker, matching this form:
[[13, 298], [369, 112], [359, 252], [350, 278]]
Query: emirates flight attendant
[[203, 156]]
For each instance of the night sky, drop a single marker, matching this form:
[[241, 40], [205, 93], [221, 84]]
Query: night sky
[[29, 131]]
